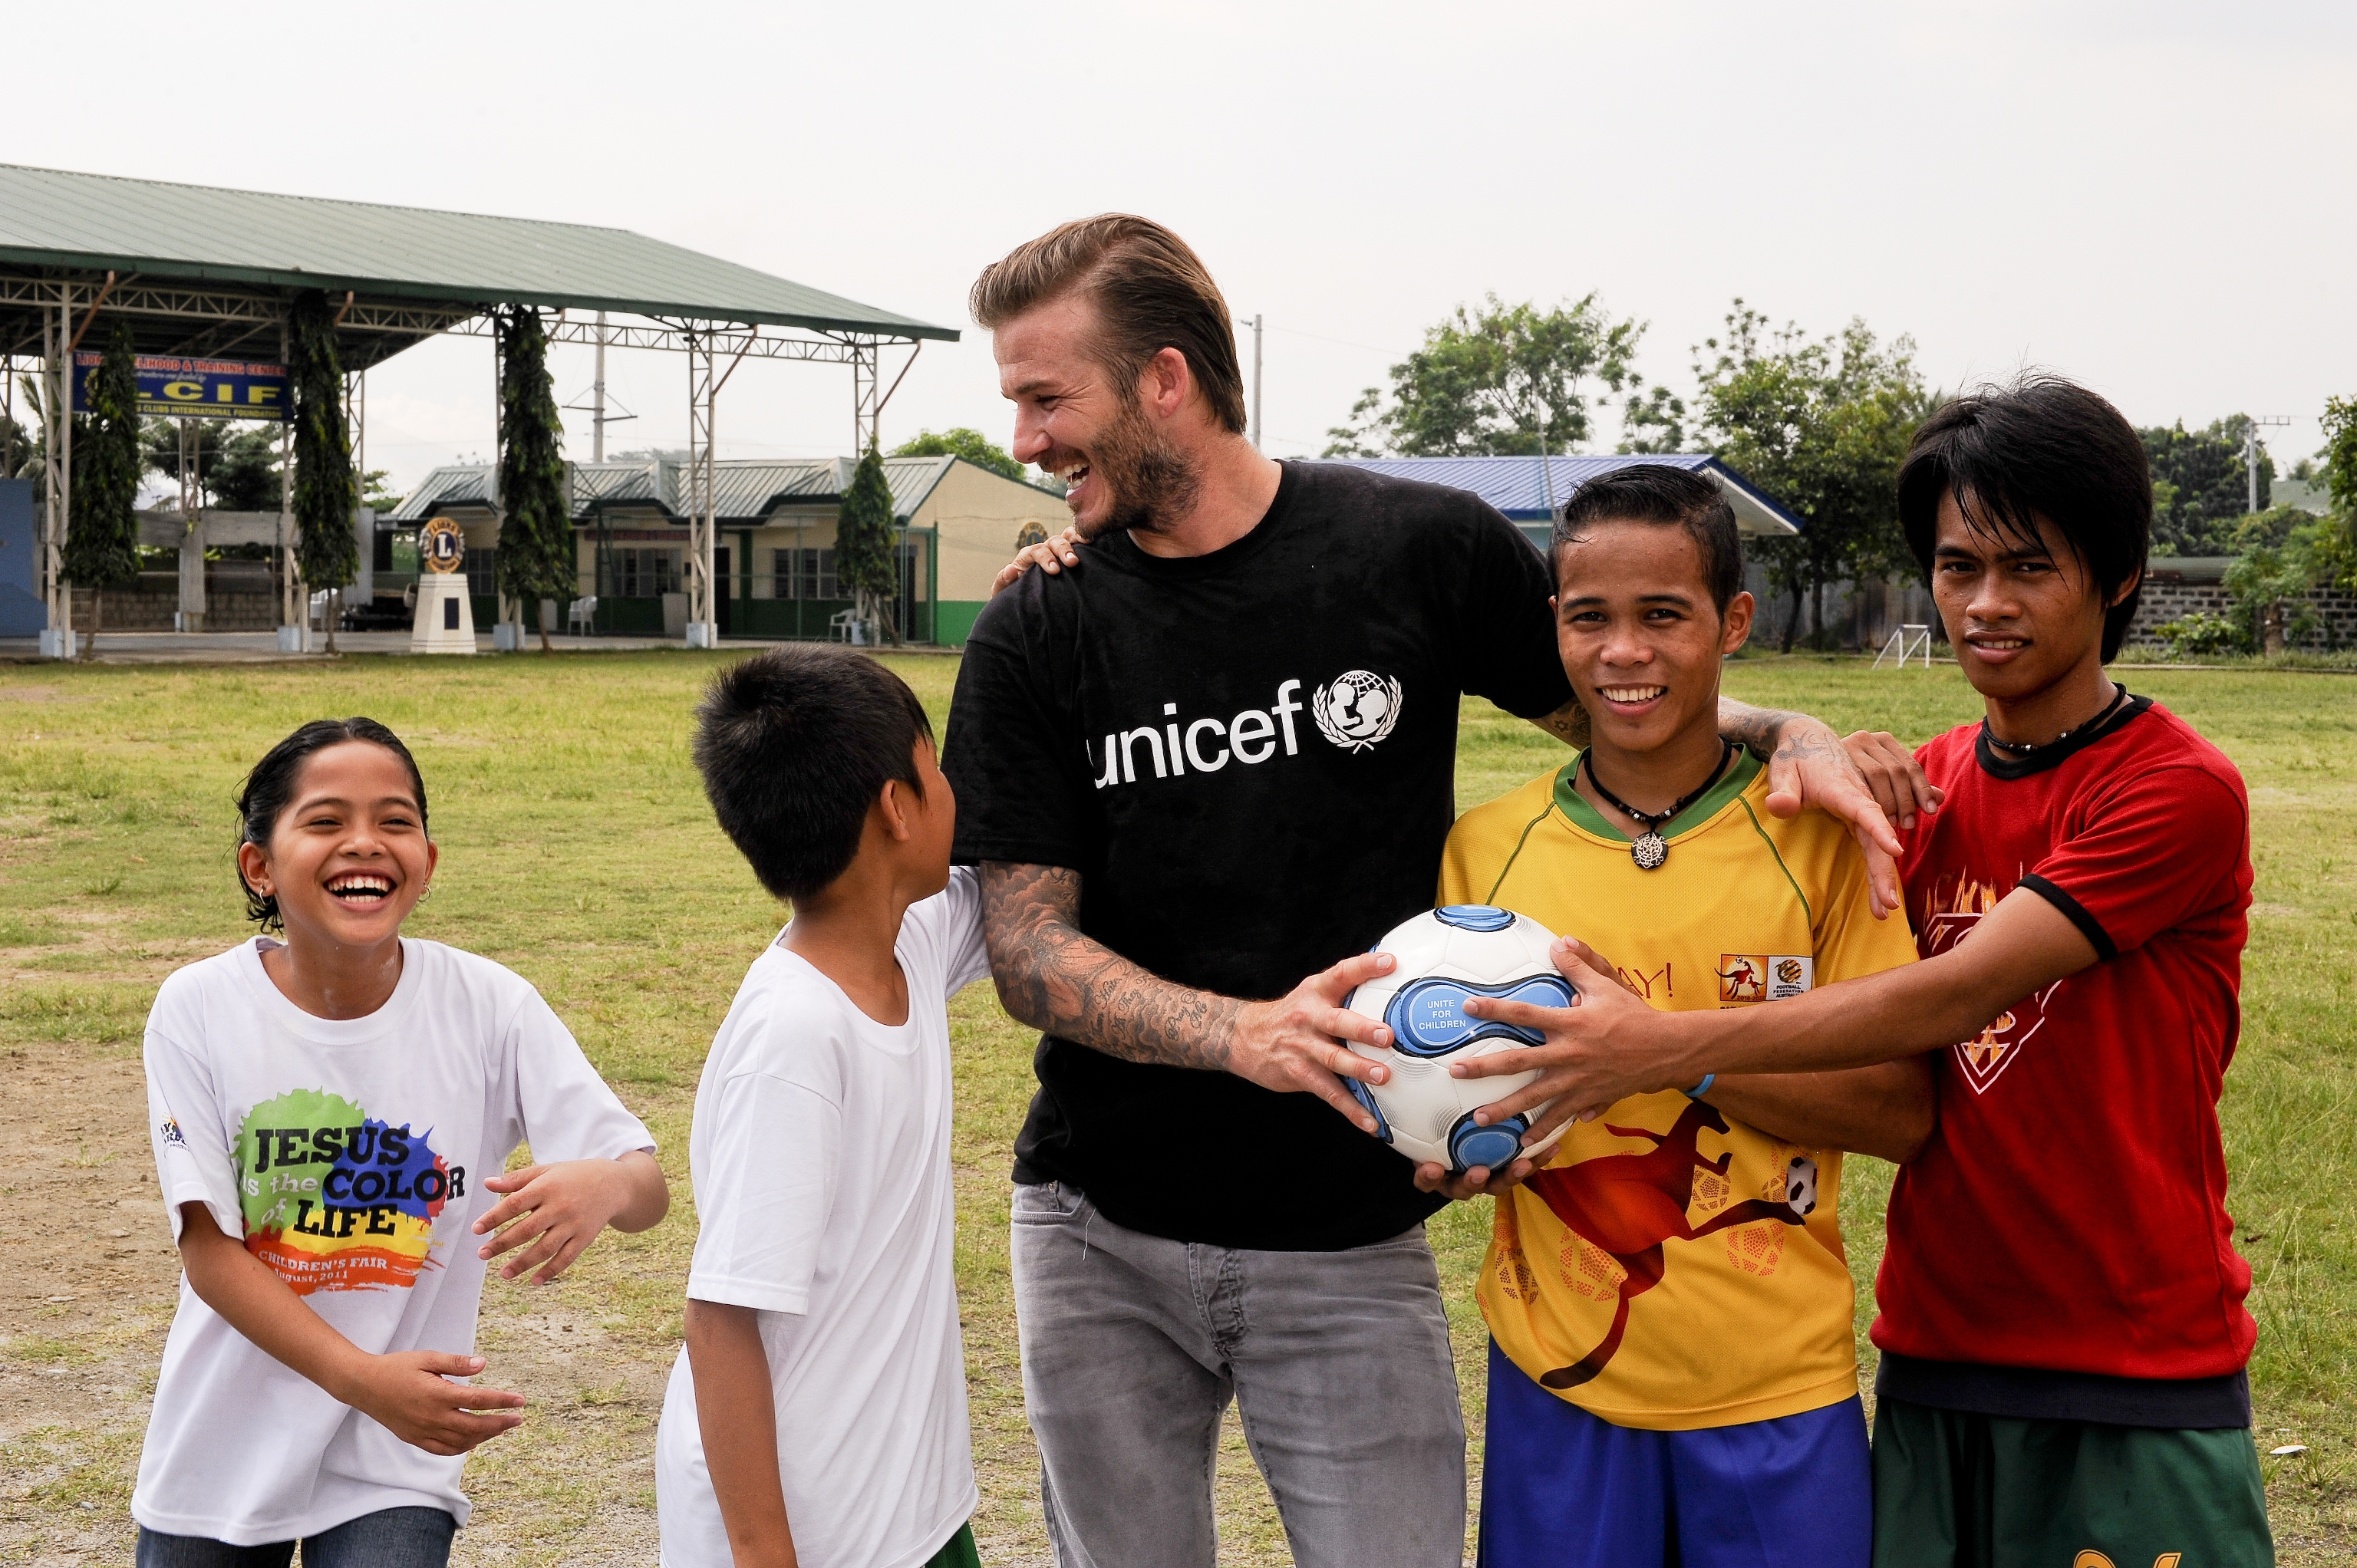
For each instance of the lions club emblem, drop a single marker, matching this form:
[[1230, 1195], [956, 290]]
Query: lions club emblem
[[1357, 709], [441, 545]]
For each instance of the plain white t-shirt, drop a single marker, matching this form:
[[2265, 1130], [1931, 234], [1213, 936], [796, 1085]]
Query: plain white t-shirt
[[350, 1155], [820, 1156]]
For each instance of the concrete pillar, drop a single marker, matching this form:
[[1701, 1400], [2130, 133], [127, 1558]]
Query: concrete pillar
[[192, 616], [363, 586]]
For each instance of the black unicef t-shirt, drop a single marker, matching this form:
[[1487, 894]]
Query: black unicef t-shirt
[[1250, 758]]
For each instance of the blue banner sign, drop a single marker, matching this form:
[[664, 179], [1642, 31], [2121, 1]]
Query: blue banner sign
[[196, 389]]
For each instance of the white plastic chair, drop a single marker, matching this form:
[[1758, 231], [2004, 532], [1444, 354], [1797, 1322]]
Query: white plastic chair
[[581, 615], [319, 610], [844, 626]]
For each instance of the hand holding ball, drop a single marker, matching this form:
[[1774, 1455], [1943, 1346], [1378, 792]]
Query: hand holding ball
[[1446, 958]]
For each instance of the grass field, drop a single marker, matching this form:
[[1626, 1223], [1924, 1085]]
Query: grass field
[[577, 850]]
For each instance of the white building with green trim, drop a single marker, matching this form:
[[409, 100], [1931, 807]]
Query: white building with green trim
[[774, 558]]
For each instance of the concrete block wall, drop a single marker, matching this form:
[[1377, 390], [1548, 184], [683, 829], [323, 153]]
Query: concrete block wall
[[2168, 598], [234, 602]]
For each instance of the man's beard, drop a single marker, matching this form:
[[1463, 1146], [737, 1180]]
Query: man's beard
[[1150, 482]]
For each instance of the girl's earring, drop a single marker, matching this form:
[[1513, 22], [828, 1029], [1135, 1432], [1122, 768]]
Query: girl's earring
[[424, 893]]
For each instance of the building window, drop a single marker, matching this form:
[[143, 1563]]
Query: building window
[[482, 568], [645, 573], [807, 574]]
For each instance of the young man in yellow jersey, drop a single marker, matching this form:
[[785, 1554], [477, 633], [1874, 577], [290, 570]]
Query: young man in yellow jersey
[[1672, 1376]]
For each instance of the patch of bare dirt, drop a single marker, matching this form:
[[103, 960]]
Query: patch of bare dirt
[[89, 1297]]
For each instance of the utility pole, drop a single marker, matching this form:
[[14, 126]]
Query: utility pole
[[2251, 450], [599, 417], [598, 398], [1258, 431]]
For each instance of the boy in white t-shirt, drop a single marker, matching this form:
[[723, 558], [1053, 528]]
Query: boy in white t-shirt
[[816, 1416]]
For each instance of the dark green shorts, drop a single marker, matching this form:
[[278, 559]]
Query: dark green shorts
[[1952, 1490], [959, 1552]]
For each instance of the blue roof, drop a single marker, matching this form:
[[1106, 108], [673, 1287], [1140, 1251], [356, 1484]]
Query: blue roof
[[1517, 487]]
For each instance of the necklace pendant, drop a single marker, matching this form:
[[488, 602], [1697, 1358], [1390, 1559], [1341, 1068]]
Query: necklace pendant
[[1648, 851]]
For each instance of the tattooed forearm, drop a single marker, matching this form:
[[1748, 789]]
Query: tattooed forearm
[[1053, 978], [1757, 730], [1567, 724]]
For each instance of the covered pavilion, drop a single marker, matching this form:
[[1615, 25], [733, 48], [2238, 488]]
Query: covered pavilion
[[202, 273]]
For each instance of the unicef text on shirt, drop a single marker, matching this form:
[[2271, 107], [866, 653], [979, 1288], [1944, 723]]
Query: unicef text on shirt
[[1356, 711]]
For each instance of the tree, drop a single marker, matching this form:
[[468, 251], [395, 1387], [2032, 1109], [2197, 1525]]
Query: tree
[[2340, 454], [960, 442], [20, 448], [246, 476], [2209, 484], [1821, 425], [33, 455], [863, 555], [2334, 550], [375, 494], [160, 449], [327, 554], [1505, 381], [102, 517], [536, 559]]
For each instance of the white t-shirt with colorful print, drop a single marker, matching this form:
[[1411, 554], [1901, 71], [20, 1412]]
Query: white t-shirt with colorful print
[[349, 1155]]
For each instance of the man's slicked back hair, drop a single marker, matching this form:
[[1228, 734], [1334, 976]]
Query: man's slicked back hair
[[2042, 447], [1151, 293], [794, 746], [1670, 498]]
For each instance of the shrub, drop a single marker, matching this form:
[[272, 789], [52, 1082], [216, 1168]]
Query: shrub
[[2203, 635]]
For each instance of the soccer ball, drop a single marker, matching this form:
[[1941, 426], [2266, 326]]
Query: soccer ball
[[1447, 957]]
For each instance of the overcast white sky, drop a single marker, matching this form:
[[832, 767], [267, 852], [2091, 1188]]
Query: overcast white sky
[[2149, 196]]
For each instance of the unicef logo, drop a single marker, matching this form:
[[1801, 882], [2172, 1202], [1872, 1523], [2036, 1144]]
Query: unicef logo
[[1358, 709]]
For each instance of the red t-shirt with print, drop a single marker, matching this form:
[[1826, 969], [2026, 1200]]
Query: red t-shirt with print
[[2069, 1212]]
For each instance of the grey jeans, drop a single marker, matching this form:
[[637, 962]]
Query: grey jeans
[[1132, 1346]]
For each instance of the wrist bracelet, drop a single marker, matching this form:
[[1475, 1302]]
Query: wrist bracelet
[[1699, 1090]]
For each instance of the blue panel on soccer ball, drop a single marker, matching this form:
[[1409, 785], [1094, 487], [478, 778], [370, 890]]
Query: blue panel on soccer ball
[[1495, 1147], [1427, 1017], [1474, 917], [1359, 1092]]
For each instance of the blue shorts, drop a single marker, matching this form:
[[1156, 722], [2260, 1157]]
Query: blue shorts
[[1562, 1488]]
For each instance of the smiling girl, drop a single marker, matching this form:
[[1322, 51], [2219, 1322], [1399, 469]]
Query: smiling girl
[[330, 1115]]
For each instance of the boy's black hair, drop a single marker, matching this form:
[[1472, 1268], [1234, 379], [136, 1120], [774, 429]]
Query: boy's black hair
[[2042, 447], [1658, 493], [794, 746], [270, 788]]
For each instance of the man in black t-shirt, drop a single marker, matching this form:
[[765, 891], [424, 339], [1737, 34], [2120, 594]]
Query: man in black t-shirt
[[1218, 759]]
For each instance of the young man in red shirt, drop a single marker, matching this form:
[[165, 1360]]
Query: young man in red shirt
[[2061, 1322]]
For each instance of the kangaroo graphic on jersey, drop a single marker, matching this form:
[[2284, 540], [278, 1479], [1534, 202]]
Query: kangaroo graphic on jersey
[[1626, 1206]]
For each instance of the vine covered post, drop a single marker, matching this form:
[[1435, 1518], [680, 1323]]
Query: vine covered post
[[863, 545], [103, 519], [536, 557], [327, 552]]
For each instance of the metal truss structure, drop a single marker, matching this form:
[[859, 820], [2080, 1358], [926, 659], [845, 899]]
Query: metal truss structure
[[45, 313], [713, 351]]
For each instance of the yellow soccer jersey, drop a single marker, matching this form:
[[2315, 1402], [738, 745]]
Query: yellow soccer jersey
[[1667, 1267]]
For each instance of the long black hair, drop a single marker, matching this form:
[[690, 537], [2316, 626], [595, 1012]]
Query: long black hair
[[2039, 448], [270, 786]]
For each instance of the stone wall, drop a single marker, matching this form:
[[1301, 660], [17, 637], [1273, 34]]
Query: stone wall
[[236, 599], [2171, 593]]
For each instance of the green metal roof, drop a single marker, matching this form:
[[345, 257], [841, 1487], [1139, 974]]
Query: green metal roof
[[51, 219], [743, 489]]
